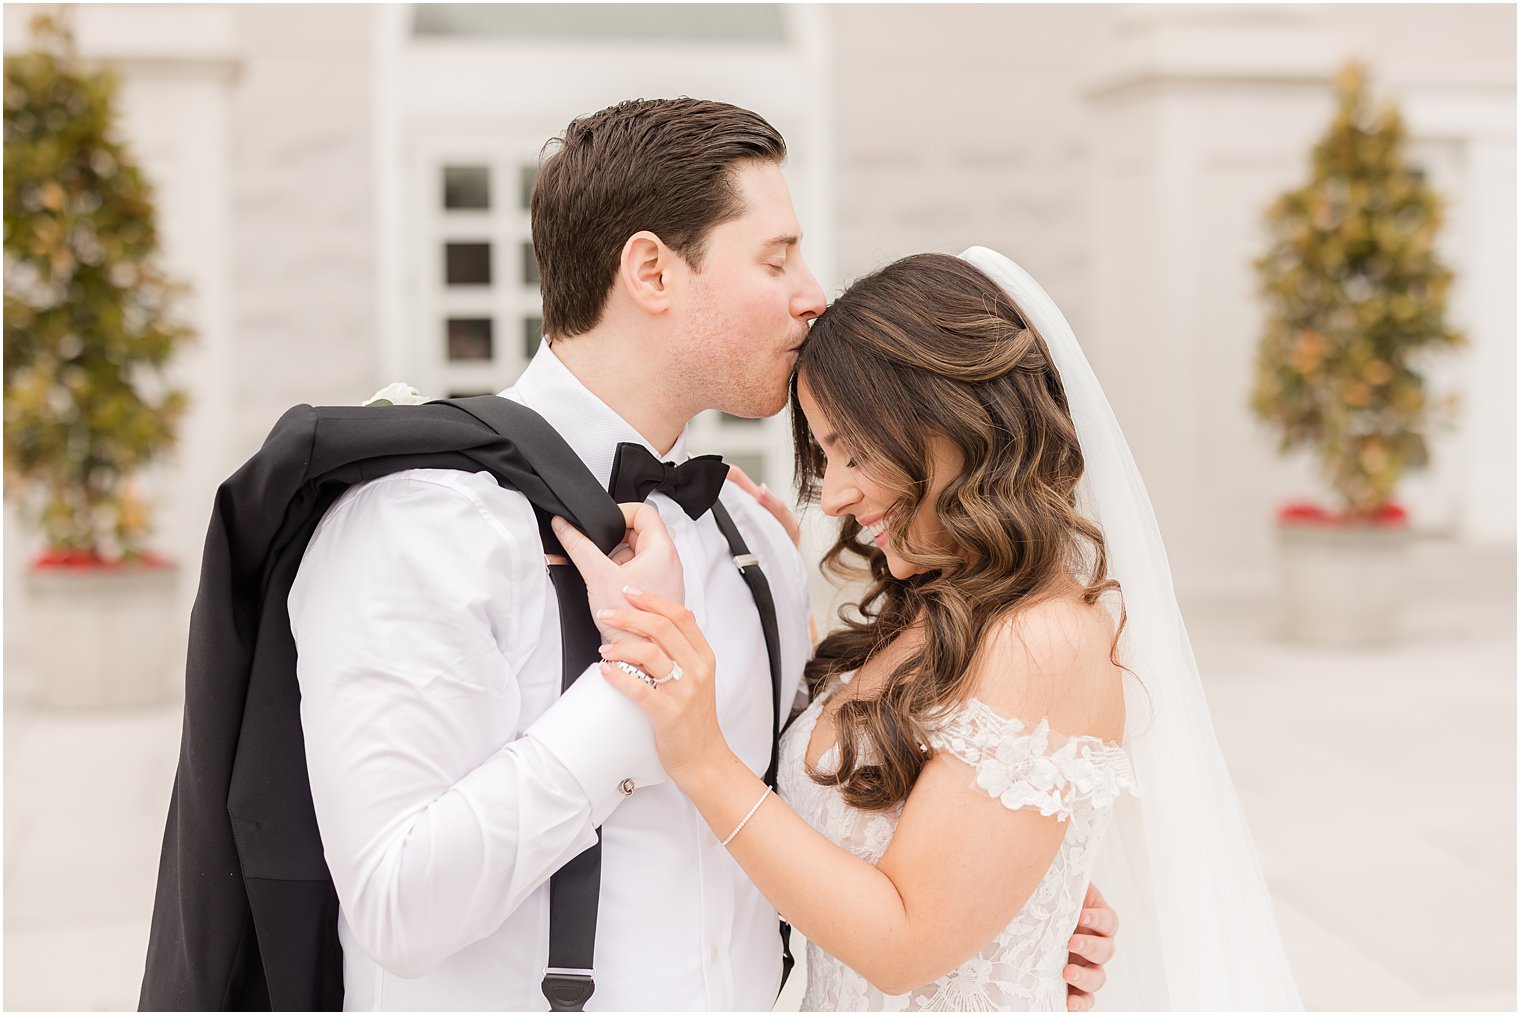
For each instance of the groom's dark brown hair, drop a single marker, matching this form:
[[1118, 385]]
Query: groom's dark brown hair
[[662, 165]]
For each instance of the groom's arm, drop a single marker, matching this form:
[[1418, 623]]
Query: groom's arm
[[419, 602]]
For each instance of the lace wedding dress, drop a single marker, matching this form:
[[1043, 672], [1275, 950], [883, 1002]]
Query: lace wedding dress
[[1075, 778]]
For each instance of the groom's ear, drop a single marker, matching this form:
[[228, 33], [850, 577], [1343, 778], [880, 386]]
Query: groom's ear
[[645, 272]]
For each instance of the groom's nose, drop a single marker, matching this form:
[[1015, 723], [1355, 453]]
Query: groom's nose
[[808, 302]]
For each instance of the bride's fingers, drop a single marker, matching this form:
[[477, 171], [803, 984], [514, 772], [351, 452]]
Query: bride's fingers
[[646, 655], [660, 630], [678, 615]]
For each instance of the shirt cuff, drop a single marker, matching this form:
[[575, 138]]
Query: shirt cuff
[[603, 739]]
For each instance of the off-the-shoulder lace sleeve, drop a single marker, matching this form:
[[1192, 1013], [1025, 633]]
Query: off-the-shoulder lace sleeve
[[1031, 766]]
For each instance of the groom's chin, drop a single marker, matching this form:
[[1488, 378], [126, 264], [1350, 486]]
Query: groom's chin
[[758, 408]]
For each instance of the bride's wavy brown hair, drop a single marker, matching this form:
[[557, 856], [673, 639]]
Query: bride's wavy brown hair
[[929, 346]]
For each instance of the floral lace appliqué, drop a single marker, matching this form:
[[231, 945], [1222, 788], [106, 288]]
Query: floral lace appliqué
[[1019, 766]]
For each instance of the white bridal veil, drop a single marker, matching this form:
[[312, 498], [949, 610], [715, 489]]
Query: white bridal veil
[[1196, 923]]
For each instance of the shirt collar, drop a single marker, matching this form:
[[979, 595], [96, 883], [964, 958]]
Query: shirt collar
[[589, 425]]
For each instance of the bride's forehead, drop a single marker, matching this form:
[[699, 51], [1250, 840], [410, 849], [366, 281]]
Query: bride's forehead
[[810, 408], [805, 395]]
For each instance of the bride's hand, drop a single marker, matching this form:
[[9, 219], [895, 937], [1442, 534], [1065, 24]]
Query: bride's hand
[[647, 560], [683, 710]]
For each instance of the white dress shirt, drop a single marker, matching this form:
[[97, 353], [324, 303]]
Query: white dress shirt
[[451, 778]]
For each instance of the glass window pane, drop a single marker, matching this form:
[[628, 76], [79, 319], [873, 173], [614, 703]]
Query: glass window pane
[[533, 334], [530, 264], [529, 174], [469, 338], [466, 187], [467, 263]]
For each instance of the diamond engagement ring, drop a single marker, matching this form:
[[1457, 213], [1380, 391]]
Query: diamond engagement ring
[[674, 674]]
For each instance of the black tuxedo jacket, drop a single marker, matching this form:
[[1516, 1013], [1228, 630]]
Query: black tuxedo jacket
[[245, 915]]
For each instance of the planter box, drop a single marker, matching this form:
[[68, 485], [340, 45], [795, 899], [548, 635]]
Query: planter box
[[100, 637], [1341, 585]]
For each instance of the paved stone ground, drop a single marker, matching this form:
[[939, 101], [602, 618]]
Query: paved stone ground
[[1380, 786]]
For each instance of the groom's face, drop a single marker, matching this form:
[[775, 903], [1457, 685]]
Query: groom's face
[[746, 313]]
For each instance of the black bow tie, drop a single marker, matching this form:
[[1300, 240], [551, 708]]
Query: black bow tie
[[694, 485]]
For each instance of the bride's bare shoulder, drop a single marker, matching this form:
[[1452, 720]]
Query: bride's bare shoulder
[[1051, 660]]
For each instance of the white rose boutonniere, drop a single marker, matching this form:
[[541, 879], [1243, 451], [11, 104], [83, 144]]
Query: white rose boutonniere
[[399, 393]]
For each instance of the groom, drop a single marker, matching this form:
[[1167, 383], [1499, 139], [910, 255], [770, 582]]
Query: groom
[[450, 777]]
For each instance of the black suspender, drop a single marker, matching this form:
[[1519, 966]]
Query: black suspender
[[749, 566], [575, 888]]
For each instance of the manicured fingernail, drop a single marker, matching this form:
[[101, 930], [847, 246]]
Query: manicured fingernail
[[604, 649], [605, 614], [1077, 945], [632, 591], [765, 490], [1087, 921]]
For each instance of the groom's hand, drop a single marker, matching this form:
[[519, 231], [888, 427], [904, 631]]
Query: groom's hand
[[648, 561], [1091, 946]]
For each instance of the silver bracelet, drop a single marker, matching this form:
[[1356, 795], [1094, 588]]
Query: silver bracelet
[[751, 814]]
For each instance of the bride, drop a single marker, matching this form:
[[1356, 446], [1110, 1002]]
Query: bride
[[1013, 702]]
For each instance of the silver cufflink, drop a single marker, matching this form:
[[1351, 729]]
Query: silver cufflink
[[626, 786]]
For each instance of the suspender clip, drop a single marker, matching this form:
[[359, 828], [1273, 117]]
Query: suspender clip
[[568, 989]]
